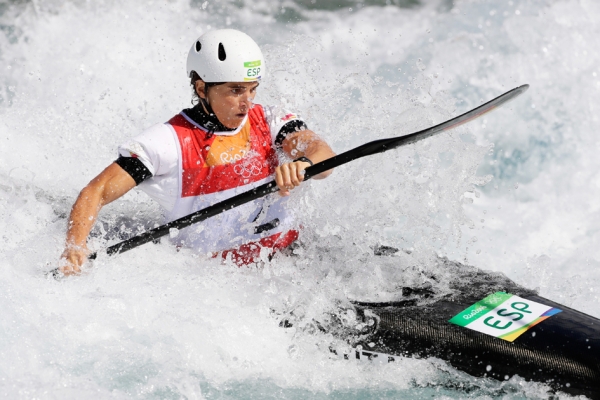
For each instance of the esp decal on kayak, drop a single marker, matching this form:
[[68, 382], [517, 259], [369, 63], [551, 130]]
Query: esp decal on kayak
[[503, 315]]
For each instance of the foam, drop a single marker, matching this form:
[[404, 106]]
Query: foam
[[157, 323]]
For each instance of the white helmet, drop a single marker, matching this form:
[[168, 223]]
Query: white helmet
[[226, 55]]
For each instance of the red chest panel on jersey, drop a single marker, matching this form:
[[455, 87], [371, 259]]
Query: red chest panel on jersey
[[198, 178]]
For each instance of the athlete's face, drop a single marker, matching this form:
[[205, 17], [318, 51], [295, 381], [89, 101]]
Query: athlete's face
[[230, 101]]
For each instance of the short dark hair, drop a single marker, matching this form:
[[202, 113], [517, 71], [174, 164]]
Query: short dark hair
[[193, 79]]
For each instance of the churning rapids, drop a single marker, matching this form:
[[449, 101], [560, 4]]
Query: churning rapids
[[514, 192]]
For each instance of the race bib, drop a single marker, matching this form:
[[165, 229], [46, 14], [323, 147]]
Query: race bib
[[503, 315]]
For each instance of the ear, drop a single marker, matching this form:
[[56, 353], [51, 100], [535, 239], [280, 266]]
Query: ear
[[199, 86]]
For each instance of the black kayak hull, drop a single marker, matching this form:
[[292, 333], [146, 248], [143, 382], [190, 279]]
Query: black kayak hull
[[561, 351]]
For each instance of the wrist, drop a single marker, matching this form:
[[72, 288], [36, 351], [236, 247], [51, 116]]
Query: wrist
[[72, 245], [304, 159]]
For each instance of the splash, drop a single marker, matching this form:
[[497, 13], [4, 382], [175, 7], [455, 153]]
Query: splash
[[79, 78]]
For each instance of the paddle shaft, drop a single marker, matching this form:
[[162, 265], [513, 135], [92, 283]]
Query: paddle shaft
[[374, 147]]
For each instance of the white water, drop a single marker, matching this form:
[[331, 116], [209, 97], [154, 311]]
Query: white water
[[78, 78]]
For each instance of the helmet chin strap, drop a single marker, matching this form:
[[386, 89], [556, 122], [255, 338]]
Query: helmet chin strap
[[204, 100], [207, 106], [204, 115]]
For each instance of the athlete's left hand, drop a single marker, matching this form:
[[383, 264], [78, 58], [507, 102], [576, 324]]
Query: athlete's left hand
[[290, 175]]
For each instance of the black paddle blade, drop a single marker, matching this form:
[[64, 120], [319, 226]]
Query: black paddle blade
[[381, 145]]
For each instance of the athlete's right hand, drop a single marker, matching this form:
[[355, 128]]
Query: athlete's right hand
[[72, 259], [290, 175]]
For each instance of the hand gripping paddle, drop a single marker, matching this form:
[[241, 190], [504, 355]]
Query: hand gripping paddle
[[374, 147]]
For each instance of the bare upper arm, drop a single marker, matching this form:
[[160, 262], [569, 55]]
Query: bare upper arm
[[111, 184]]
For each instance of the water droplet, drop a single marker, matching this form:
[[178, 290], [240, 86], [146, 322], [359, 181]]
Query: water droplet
[[293, 351]]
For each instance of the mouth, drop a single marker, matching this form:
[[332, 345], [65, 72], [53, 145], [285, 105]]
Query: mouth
[[240, 115]]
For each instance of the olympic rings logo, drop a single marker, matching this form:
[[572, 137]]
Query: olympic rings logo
[[248, 169]]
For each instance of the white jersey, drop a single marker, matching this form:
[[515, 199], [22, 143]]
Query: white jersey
[[192, 169]]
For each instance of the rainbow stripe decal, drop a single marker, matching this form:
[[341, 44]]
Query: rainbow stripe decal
[[503, 315]]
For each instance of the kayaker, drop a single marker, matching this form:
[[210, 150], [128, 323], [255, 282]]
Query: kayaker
[[222, 146]]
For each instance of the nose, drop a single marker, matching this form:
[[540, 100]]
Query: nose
[[246, 100]]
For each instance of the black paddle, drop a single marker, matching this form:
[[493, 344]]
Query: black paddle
[[374, 147]]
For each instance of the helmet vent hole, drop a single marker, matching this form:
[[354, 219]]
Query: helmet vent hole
[[222, 55], [198, 46]]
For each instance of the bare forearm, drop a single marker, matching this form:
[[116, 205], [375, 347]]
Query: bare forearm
[[111, 184], [83, 216], [308, 144], [318, 151]]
